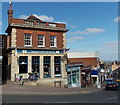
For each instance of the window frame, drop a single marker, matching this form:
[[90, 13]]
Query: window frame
[[55, 41], [27, 39], [43, 40]]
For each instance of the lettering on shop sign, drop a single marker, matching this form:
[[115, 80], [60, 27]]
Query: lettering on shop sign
[[38, 51]]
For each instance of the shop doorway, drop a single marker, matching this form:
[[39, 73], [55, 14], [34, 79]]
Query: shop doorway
[[23, 64], [94, 81]]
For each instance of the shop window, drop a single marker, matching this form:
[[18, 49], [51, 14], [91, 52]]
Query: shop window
[[35, 63], [41, 40], [77, 76], [69, 79], [53, 41], [23, 64], [47, 70], [28, 39], [57, 66], [74, 78]]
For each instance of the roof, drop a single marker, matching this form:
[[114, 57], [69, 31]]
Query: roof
[[3, 35], [73, 64], [21, 23], [33, 17], [86, 68], [82, 54]]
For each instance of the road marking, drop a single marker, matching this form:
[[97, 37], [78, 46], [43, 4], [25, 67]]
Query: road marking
[[85, 92], [56, 102], [110, 98]]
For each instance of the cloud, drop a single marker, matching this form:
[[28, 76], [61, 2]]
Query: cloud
[[42, 17], [61, 22], [88, 31], [111, 45], [73, 39], [0, 23], [23, 16], [109, 50], [79, 32], [117, 19], [94, 30], [72, 26]]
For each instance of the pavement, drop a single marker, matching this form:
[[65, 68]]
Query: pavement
[[14, 89]]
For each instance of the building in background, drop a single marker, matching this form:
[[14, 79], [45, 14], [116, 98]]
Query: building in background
[[36, 46], [115, 65], [115, 70], [89, 60]]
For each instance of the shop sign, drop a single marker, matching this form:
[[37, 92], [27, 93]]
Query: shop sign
[[38, 51]]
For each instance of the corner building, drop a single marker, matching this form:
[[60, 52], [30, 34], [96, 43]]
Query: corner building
[[35, 45]]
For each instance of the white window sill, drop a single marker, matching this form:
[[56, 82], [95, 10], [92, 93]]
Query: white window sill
[[41, 46], [27, 45], [53, 46]]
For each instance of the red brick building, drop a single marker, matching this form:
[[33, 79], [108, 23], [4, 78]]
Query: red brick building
[[87, 58], [85, 61], [35, 45]]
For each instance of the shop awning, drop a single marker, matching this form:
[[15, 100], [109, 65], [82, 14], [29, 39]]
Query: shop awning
[[94, 72]]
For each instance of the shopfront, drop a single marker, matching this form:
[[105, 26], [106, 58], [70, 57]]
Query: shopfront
[[48, 65], [86, 76], [74, 75]]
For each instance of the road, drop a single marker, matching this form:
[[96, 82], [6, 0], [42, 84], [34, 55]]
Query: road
[[102, 96]]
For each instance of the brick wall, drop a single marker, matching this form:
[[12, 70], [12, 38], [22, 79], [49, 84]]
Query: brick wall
[[20, 37], [17, 21], [86, 61], [22, 21]]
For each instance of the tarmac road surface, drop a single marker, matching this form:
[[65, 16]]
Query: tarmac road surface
[[101, 96]]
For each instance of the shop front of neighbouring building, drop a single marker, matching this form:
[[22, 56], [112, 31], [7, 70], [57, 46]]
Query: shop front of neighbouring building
[[74, 74]]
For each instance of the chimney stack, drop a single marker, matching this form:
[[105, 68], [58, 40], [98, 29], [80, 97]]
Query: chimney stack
[[10, 13]]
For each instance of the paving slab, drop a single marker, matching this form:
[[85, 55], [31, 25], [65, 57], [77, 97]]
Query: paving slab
[[12, 88]]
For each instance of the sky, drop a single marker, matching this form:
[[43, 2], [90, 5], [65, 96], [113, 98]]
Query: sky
[[93, 26]]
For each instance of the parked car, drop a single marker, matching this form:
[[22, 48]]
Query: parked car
[[111, 84]]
